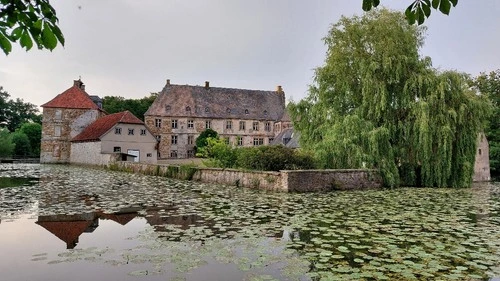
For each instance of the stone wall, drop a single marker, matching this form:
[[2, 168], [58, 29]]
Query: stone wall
[[482, 162], [89, 153], [286, 181]]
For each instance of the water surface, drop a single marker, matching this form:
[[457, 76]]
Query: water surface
[[73, 223]]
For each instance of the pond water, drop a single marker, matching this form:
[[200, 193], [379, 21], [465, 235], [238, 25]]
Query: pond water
[[72, 223]]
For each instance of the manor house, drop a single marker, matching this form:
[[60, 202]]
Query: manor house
[[243, 117]]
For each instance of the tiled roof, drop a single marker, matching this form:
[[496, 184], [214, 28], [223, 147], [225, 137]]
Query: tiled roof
[[288, 137], [97, 129], [74, 97], [214, 102]]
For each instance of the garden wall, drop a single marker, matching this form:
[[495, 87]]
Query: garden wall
[[287, 181]]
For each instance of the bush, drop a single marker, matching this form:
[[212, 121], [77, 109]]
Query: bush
[[201, 140]]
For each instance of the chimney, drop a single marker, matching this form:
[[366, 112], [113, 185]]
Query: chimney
[[280, 92], [279, 89], [168, 82], [79, 84], [207, 85]]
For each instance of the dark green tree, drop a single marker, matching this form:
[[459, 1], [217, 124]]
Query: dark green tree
[[489, 84], [34, 133], [418, 10], [114, 104], [22, 145], [202, 139], [377, 104], [6, 144], [28, 22], [13, 113]]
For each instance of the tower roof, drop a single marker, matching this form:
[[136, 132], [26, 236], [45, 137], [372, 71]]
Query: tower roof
[[74, 97]]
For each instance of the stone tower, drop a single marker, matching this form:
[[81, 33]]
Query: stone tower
[[482, 164], [64, 117]]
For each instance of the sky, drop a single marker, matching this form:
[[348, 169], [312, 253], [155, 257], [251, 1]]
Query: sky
[[129, 48]]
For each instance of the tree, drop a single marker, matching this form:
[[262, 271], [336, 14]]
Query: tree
[[22, 145], [202, 140], [377, 104], [28, 21], [489, 84], [13, 113], [114, 104], [6, 145], [418, 9], [34, 133]]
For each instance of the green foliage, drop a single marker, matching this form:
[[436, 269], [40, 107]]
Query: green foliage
[[489, 85], [377, 104], [201, 142], [34, 133], [6, 144], [418, 10], [28, 21], [263, 158], [13, 113], [22, 145], [114, 104]]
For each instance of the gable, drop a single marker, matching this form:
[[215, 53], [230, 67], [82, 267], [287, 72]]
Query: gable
[[74, 97]]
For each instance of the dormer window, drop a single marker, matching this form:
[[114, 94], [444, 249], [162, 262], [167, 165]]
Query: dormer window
[[228, 110], [246, 111], [188, 109], [207, 109], [167, 107], [265, 112]]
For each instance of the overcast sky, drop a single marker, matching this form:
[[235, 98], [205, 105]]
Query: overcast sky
[[129, 47]]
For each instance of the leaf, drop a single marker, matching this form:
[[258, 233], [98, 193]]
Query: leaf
[[421, 16], [5, 44], [410, 15], [49, 40], [454, 2], [26, 41], [445, 7], [16, 33], [426, 7], [58, 33], [367, 5], [435, 4]]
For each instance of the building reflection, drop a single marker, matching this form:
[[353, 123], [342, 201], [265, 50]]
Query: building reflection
[[68, 228]]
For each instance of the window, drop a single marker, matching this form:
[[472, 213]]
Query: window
[[207, 109], [190, 153], [58, 114], [240, 141], [158, 154], [480, 151], [265, 112], [117, 149], [268, 126], [271, 140], [229, 125], [174, 139], [190, 124], [158, 138], [118, 130], [188, 109], [143, 132], [242, 125], [174, 123], [228, 110], [255, 126], [167, 107], [149, 155], [57, 131], [130, 131], [258, 141], [226, 140], [246, 111], [158, 123], [190, 139], [173, 153], [208, 124]]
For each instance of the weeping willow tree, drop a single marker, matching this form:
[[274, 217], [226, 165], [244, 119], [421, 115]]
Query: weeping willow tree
[[376, 103]]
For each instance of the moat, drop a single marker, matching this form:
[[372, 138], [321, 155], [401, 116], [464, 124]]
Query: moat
[[72, 223]]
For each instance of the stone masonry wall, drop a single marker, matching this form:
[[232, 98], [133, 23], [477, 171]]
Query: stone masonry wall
[[287, 181]]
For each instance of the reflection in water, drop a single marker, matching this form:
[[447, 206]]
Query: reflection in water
[[68, 228], [17, 181]]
